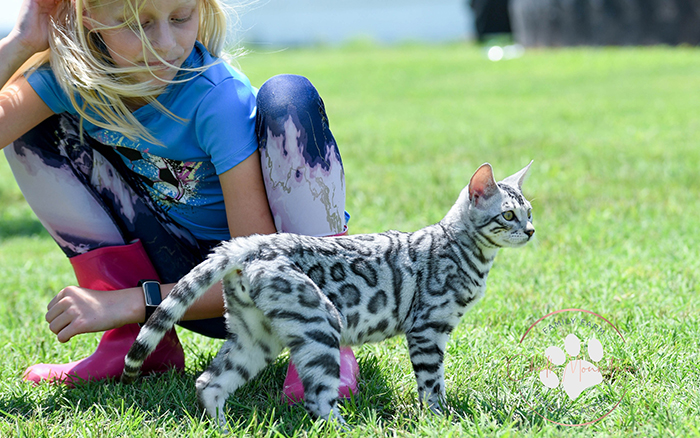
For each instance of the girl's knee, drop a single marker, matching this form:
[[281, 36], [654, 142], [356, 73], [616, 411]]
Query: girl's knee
[[278, 92]]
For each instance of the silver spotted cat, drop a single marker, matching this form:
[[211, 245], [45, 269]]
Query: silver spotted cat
[[312, 295]]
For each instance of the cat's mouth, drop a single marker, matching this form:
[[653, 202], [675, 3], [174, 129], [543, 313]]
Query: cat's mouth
[[520, 239]]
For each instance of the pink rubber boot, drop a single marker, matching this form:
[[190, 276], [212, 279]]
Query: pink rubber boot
[[293, 389], [112, 268]]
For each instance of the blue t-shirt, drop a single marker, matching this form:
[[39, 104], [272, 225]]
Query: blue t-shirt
[[181, 175]]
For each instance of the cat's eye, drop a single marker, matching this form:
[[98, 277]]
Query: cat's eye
[[508, 215]]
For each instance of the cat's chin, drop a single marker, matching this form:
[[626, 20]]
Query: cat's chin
[[516, 243]]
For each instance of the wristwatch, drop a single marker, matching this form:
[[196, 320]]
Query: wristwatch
[[151, 294]]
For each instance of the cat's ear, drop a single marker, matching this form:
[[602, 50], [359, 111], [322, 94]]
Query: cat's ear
[[482, 185], [516, 180]]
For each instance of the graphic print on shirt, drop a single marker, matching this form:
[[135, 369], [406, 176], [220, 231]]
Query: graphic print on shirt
[[171, 183]]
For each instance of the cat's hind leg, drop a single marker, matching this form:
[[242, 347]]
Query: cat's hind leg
[[218, 381], [318, 366], [309, 324], [250, 347]]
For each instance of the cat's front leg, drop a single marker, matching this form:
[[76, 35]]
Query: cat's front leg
[[426, 348]]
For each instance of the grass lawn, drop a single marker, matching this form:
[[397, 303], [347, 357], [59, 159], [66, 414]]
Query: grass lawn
[[615, 191]]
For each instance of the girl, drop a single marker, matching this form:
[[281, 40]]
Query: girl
[[139, 149]]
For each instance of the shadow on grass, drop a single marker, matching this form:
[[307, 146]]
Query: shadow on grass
[[20, 228], [257, 408], [153, 395], [170, 399]]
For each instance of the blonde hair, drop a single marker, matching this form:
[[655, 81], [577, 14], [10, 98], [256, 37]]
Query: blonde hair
[[84, 69]]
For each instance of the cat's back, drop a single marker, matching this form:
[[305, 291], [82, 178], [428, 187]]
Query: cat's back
[[393, 250], [371, 248]]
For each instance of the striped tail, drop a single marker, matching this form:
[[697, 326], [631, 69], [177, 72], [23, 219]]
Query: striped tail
[[171, 310]]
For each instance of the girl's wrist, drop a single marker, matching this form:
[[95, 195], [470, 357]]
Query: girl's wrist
[[18, 50], [135, 303], [135, 306], [14, 54]]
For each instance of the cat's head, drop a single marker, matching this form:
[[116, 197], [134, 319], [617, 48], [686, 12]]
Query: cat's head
[[501, 215]]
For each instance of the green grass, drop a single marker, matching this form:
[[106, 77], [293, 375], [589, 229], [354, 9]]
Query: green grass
[[614, 189]]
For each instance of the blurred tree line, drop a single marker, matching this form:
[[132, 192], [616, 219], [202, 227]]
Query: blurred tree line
[[589, 22]]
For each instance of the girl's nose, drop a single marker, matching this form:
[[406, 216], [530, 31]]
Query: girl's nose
[[163, 38]]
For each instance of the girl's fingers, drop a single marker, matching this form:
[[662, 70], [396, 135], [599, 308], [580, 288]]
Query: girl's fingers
[[54, 308], [66, 333], [59, 323]]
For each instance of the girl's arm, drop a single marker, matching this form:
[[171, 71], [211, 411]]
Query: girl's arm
[[77, 310], [29, 36], [247, 208], [15, 54], [20, 107]]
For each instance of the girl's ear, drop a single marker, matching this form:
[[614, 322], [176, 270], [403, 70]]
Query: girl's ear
[[85, 15], [482, 185], [87, 21]]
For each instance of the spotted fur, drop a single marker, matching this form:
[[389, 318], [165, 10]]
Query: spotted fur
[[312, 295]]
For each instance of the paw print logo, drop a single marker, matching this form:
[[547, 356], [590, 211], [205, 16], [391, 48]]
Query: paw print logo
[[567, 390], [578, 374]]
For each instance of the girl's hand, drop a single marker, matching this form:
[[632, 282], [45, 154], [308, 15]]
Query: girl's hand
[[76, 310], [32, 28]]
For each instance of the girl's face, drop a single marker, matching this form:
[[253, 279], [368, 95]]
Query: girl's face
[[171, 26]]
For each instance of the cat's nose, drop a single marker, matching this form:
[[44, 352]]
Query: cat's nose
[[530, 232]]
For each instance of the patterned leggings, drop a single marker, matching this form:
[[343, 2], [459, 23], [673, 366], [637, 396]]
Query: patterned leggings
[[86, 198]]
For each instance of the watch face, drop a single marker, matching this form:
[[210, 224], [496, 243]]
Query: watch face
[[151, 292]]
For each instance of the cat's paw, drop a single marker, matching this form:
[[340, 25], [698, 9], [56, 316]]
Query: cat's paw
[[578, 374]]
